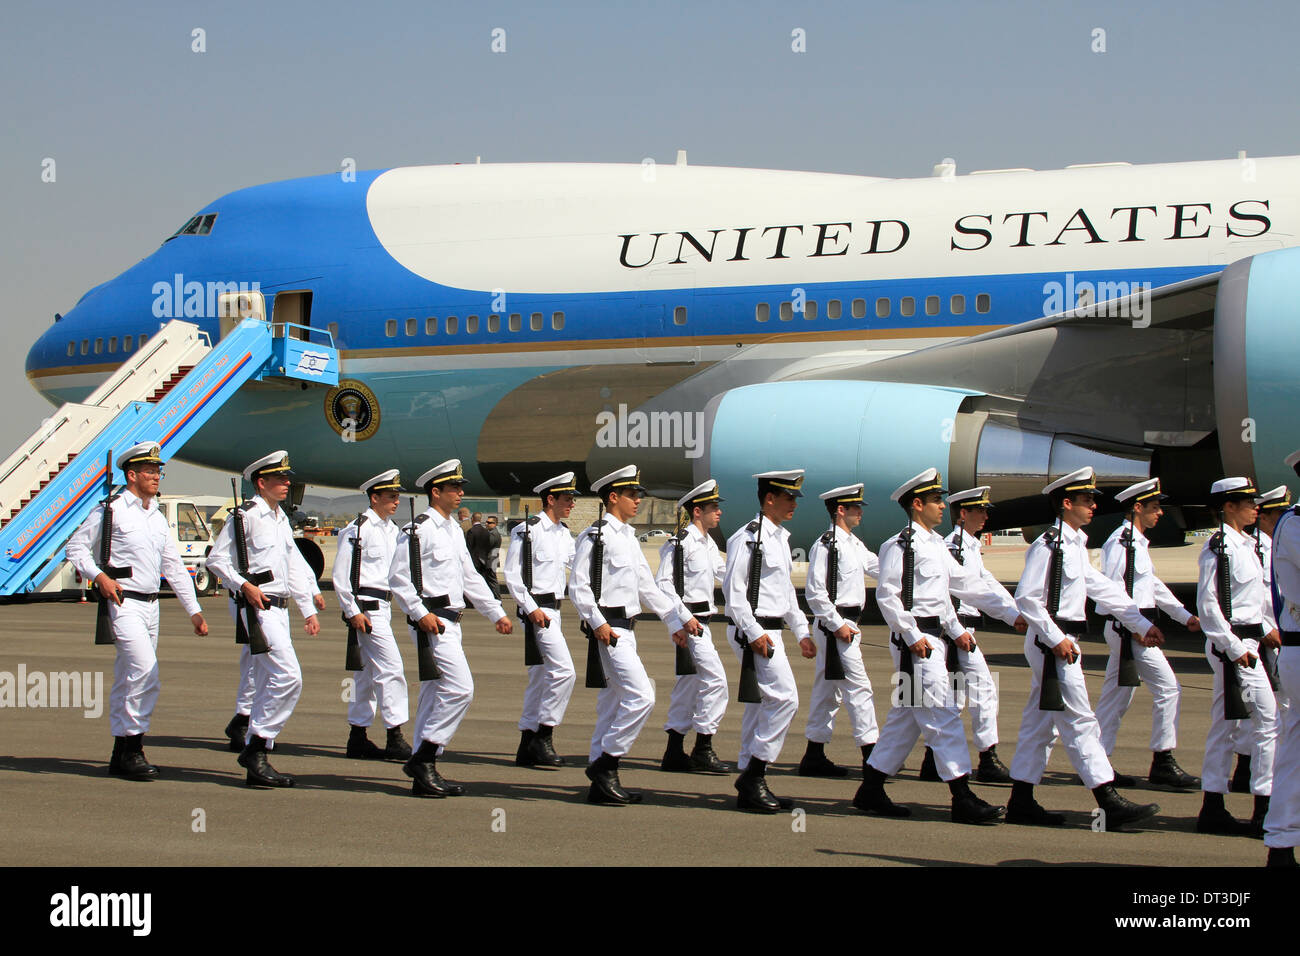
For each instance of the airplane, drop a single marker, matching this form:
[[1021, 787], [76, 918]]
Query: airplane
[[1005, 326]]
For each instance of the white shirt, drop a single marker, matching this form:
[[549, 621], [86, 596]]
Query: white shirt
[[446, 568], [1251, 603], [552, 560], [935, 578], [626, 580], [776, 594], [1079, 581], [986, 593], [855, 561], [1148, 590], [271, 547], [1286, 568], [378, 542], [702, 566], [142, 542]]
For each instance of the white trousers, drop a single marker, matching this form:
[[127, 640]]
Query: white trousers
[[763, 728], [979, 694], [1263, 724], [1282, 825], [624, 704], [277, 678], [380, 684], [244, 690], [443, 702], [550, 684], [1076, 725], [1157, 675], [699, 700], [923, 705], [854, 690], [135, 671]]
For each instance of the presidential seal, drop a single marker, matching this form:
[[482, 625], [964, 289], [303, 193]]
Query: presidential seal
[[352, 410]]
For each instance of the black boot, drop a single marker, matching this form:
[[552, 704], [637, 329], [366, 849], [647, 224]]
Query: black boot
[[703, 759], [397, 748], [361, 747], [131, 763], [1215, 818], [871, 796], [542, 748], [115, 761], [675, 757], [968, 808], [605, 786], [425, 780], [237, 730], [866, 755], [1165, 772], [1118, 810], [991, 769], [815, 763], [752, 793], [1257, 818], [524, 755], [260, 771], [1241, 776], [1281, 857], [928, 770], [1023, 808]]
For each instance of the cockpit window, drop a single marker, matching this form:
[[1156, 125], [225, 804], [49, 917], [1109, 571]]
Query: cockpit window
[[195, 226]]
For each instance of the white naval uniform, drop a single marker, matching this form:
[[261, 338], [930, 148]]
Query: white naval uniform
[[1149, 592], [142, 542], [1282, 824], [1077, 725], [855, 561], [448, 571], [277, 678], [381, 682], [624, 705], [698, 700], [764, 726], [980, 591], [932, 711], [1250, 605], [550, 684]]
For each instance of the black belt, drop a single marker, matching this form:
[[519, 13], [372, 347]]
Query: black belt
[[617, 617], [1072, 628], [931, 625], [766, 623], [701, 611], [368, 605], [1253, 631], [549, 601], [1291, 638], [438, 605], [140, 596], [376, 593], [274, 600], [970, 620]]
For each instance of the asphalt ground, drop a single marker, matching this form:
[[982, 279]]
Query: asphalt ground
[[59, 806]]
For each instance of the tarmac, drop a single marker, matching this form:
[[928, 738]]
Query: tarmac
[[59, 806]]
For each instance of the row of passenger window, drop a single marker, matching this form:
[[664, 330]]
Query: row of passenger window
[[106, 345], [451, 324], [858, 307]]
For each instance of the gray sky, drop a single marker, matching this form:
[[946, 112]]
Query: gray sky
[[144, 130]]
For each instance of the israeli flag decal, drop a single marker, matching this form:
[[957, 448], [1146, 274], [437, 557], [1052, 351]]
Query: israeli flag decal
[[313, 363]]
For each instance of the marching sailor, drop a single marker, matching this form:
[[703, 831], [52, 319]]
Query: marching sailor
[[537, 565], [266, 569], [690, 564], [1282, 824], [836, 600], [133, 545], [610, 582], [365, 555], [431, 576]]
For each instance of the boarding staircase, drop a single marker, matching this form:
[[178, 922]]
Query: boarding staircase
[[165, 393]]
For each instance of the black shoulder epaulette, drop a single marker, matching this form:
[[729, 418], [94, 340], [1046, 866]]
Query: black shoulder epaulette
[[828, 537], [907, 533], [681, 535], [361, 519], [534, 519], [1296, 510], [1050, 535], [564, 525], [1216, 539], [248, 505], [752, 526]]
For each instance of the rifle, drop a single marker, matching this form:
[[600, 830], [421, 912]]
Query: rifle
[[352, 657], [532, 653], [834, 666], [1128, 673], [104, 623], [684, 663], [252, 633], [749, 693], [595, 678], [1267, 655], [1234, 702], [429, 669], [1049, 690]]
